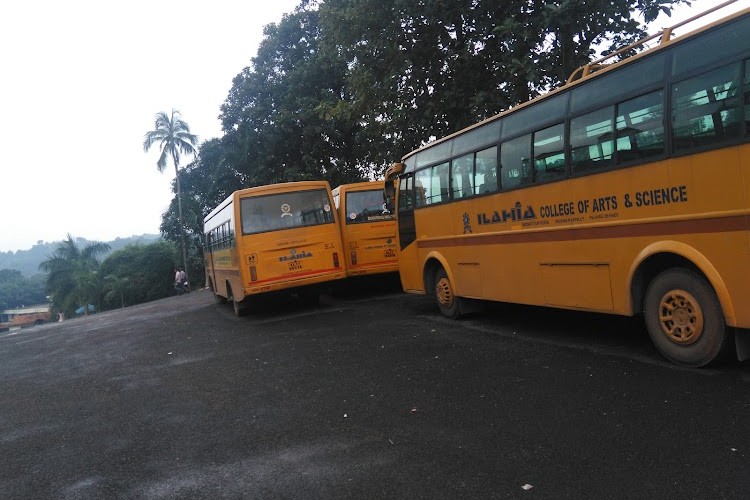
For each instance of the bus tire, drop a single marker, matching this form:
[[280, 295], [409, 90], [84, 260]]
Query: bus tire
[[445, 298], [684, 318]]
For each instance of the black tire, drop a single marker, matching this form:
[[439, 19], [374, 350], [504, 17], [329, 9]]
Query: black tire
[[445, 297], [684, 318]]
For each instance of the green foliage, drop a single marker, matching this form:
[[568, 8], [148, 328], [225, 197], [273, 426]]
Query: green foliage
[[279, 118], [138, 273], [17, 290], [340, 89], [173, 136], [72, 278]]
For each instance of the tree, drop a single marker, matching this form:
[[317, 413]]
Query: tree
[[174, 138], [72, 278], [17, 290], [278, 117], [148, 270], [116, 287], [423, 70]]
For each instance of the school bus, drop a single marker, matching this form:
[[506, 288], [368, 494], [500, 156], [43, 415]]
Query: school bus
[[368, 229], [625, 191], [274, 238]]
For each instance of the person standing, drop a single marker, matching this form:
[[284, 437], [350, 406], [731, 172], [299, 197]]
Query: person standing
[[183, 279]]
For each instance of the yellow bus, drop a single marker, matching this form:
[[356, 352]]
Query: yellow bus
[[280, 237], [626, 191], [368, 229]]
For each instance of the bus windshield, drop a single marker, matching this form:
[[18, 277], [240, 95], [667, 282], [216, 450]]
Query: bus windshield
[[285, 210], [366, 206]]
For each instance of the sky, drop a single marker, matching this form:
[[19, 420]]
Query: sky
[[81, 83]]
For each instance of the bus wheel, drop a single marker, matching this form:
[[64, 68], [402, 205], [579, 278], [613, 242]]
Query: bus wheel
[[447, 302], [684, 318]]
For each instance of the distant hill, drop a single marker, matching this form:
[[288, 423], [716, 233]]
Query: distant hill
[[27, 261]]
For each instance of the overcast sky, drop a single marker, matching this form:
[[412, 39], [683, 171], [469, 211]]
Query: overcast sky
[[81, 83]]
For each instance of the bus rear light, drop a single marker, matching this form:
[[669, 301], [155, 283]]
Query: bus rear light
[[335, 259], [354, 257], [253, 274]]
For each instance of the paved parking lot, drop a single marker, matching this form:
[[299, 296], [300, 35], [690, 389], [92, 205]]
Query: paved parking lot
[[372, 396]]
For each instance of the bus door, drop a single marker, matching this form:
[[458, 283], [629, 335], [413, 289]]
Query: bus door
[[409, 196]]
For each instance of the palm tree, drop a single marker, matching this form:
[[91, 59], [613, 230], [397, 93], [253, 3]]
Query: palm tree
[[174, 138], [72, 275], [116, 286]]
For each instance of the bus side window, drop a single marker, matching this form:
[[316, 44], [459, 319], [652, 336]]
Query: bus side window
[[640, 127], [485, 175], [422, 188], [705, 108], [440, 183], [747, 97], [461, 179], [515, 157], [592, 140], [549, 153]]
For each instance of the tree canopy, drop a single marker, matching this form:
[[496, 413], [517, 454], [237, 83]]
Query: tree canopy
[[17, 290], [339, 89], [72, 279]]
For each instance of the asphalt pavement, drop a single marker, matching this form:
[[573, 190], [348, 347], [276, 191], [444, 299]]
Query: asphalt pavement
[[364, 396]]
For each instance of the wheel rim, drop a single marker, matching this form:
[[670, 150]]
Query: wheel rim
[[444, 292], [680, 317]]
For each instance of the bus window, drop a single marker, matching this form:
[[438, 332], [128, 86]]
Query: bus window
[[549, 153], [366, 206], [591, 140], [705, 109], [485, 177], [461, 176], [514, 162], [285, 210], [640, 127], [434, 182]]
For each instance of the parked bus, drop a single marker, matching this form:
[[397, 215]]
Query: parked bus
[[368, 229], [625, 191], [280, 237]]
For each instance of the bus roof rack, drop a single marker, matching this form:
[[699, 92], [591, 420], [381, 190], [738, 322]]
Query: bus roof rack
[[666, 36]]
